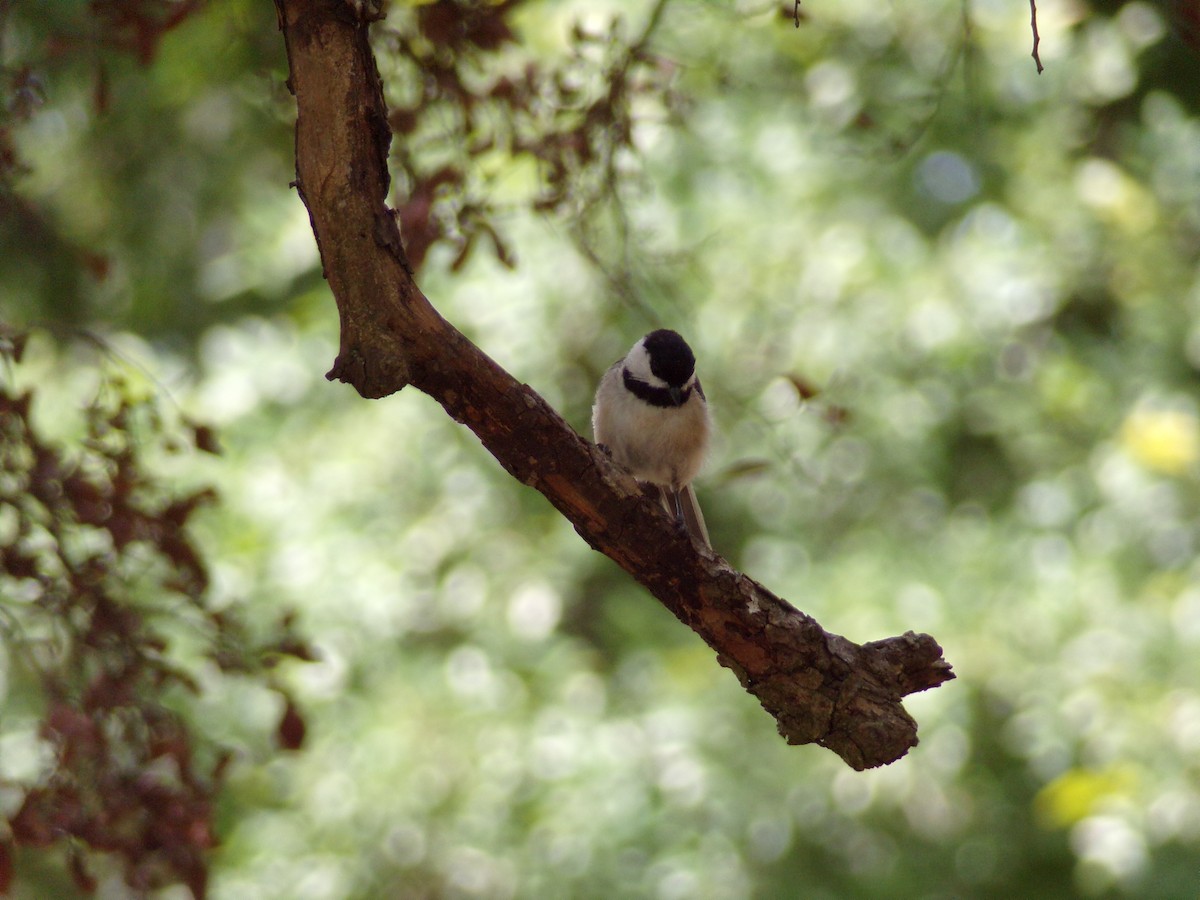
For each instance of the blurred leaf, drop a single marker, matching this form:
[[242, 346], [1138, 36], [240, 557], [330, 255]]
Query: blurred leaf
[[1078, 793], [292, 728], [1166, 441]]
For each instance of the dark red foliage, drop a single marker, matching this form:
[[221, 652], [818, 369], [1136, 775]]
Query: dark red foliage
[[463, 27], [6, 867], [1187, 19], [571, 117], [101, 556], [138, 26]]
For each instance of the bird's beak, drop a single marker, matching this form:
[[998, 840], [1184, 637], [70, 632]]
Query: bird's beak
[[676, 395]]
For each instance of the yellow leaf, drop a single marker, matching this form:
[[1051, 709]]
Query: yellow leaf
[[1076, 793], [1164, 440]]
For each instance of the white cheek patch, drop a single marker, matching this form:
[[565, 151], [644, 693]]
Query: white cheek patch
[[638, 364]]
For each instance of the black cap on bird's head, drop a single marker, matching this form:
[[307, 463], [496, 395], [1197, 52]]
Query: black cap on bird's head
[[671, 359]]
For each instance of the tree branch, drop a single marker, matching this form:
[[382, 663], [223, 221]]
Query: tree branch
[[820, 687]]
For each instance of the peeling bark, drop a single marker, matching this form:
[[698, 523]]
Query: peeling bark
[[820, 687]]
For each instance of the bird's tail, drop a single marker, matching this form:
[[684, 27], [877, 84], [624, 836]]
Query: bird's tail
[[689, 506]]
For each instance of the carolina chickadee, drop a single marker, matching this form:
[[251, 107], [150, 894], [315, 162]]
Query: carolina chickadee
[[652, 416]]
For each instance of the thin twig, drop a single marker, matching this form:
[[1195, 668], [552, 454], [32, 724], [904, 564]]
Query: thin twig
[[652, 23], [1036, 38]]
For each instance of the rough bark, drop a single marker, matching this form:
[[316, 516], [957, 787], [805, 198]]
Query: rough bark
[[820, 687]]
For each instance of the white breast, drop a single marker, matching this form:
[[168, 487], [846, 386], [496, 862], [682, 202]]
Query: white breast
[[661, 445]]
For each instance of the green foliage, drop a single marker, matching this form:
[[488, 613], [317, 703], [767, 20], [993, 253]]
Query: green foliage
[[149, 139], [946, 311]]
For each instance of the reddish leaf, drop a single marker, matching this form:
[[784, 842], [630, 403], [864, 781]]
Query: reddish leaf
[[177, 513], [297, 649], [196, 878], [224, 761], [502, 251], [17, 564], [29, 826], [68, 724], [403, 121], [439, 21], [489, 33], [205, 438], [6, 867], [88, 498], [836, 415], [15, 348], [464, 253], [805, 388], [292, 728], [97, 264], [77, 864]]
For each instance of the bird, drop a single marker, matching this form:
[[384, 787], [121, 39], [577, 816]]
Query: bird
[[652, 418]]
